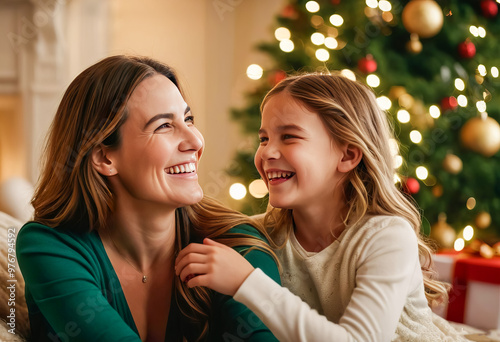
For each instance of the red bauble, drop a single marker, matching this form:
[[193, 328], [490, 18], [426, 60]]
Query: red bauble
[[411, 186], [449, 103], [276, 77], [467, 49], [336, 2], [289, 12], [367, 64], [489, 8]]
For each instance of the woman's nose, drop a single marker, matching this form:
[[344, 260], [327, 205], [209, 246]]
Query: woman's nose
[[192, 140]]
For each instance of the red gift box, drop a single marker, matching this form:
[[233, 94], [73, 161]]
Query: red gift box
[[475, 295]]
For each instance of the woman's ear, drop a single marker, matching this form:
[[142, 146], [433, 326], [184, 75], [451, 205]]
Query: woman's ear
[[101, 162], [351, 156]]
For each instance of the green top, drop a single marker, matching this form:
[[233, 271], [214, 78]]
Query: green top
[[74, 294]]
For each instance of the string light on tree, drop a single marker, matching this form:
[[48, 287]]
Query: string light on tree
[[312, 6], [384, 102], [462, 100], [322, 55], [254, 71], [459, 244], [422, 172], [415, 136], [287, 45], [282, 33], [373, 80], [258, 188], [403, 116], [317, 38], [434, 111], [237, 191], [336, 20], [331, 43], [494, 72], [468, 233], [459, 84]]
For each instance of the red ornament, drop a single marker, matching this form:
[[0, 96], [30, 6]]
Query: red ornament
[[336, 2], [289, 12], [449, 103], [489, 8], [276, 77], [467, 49], [367, 64], [411, 186]]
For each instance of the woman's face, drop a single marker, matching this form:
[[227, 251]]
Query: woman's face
[[157, 159]]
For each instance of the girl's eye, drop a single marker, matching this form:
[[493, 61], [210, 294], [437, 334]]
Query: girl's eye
[[189, 119], [263, 139], [288, 136]]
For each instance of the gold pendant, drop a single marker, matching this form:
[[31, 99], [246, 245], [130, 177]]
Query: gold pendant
[[144, 279]]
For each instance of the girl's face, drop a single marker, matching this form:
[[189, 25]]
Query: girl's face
[[157, 159], [297, 157]]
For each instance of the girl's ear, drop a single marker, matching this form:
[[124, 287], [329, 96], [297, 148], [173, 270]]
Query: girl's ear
[[101, 162], [351, 156]]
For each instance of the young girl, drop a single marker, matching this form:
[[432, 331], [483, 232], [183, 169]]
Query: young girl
[[353, 262]]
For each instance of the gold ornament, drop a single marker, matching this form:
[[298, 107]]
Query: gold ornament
[[437, 190], [420, 117], [452, 164], [396, 92], [483, 220], [423, 17], [414, 45], [482, 135], [443, 233]]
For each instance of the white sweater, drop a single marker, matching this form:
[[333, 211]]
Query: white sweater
[[365, 286]]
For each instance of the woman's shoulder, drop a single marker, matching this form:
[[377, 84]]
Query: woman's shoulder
[[36, 234], [247, 230]]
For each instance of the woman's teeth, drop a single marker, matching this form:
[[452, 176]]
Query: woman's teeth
[[184, 168], [279, 174]]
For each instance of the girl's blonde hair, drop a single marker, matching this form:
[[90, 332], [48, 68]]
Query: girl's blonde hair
[[71, 194], [350, 112]]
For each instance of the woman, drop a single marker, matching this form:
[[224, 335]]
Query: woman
[[116, 202]]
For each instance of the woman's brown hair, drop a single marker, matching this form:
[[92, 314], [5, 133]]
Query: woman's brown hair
[[73, 195]]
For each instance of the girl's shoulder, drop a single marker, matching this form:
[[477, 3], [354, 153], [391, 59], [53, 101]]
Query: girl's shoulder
[[382, 227]]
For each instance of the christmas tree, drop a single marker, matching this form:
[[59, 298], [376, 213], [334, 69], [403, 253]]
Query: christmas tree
[[434, 67]]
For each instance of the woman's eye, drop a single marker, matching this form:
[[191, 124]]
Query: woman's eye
[[189, 119], [165, 125]]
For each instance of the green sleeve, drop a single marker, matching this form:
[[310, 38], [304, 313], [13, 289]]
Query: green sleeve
[[62, 278], [233, 321]]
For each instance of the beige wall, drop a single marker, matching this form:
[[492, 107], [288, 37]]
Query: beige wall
[[210, 43]]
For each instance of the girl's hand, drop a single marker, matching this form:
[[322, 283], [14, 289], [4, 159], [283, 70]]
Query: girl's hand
[[213, 265]]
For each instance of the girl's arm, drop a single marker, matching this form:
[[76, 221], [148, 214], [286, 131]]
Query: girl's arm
[[383, 276]]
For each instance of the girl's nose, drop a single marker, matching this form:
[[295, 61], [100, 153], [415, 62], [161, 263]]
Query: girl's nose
[[269, 151]]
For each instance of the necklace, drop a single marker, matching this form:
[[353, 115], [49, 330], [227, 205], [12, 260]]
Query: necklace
[[144, 277]]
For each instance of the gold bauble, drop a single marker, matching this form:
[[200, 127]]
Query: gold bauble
[[483, 220], [396, 92], [420, 117], [482, 135], [443, 233], [414, 45], [423, 17], [452, 164], [437, 190]]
